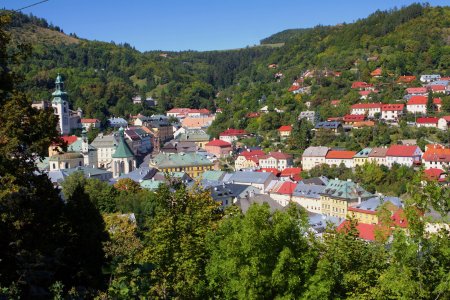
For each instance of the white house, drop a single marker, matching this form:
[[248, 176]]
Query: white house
[[277, 160], [443, 122], [392, 112], [430, 77], [406, 155], [90, 123], [369, 109], [436, 156], [308, 196], [338, 157], [314, 156]]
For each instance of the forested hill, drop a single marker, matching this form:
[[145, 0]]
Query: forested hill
[[101, 77]]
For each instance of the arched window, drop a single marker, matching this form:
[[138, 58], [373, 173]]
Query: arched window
[[66, 165], [130, 166]]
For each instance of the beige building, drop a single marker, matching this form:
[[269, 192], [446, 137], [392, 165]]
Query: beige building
[[314, 156], [378, 156], [66, 161]]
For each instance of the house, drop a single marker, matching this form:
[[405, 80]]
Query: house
[[58, 176], [378, 155], [427, 122], [430, 78], [443, 122], [365, 231], [260, 180], [442, 89], [90, 123], [339, 195], [418, 104], [392, 112], [181, 113], [314, 156], [335, 103], [361, 157], [160, 128], [362, 124], [367, 211], [248, 159], [265, 110], [57, 147], [435, 174], [117, 122], [219, 148], [135, 140], [417, 91], [66, 161], [360, 85], [309, 115], [338, 157], [406, 155], [106, 146], [274, 171], [178, 147], [308, 196], [365, 94], [406, 79], [285, 131], [282, 192], [277, 160], [436, 156], [140, 120], [350, 119], [197, 122], [334, 126], [198, 136], [252, 115], [191, 163], [232, 135], [369, 109], [376, 73], [293, 174]]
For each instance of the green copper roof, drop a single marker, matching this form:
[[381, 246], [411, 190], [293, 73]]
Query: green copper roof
[[59, 94], [171, 160], [122, 150], [347, 190], [150, 184], [212, 175]]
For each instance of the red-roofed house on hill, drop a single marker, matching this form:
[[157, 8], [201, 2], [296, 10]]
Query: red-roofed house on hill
[[351, 119], [282, 192], [427, 122], [376, 73], [293, 174], [417, 91], [365, 231], [335, 103], [418, 104], [443, 122], [188, 112], [391, 112], [337, 157], [406, 79], [403, 155], [369, 109], [360, 85], [436, 156], [248, 159], [232, 135], [219, 148], [278, 160], [435, 174], [285, 131], [90, 123], [439, 88]]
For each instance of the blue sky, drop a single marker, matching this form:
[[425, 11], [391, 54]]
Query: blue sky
[[196, 24]]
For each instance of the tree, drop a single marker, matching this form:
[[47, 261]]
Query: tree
[[176, 243], [430, 104]]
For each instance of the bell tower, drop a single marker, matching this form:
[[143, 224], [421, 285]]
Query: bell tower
[[61, 106]]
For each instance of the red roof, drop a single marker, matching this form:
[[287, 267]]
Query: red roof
[[376, 72], [436, 154], [293, 88], [406, 79], [401, 150], [270, 170], [438, 88], [280, 155], [446, 118], [90, 120], [218, 143], [254, 153], [366, 105], [427, 120], [360, 85], [433, 173], [392, 107], [285, 188], [285, 128], [416, 90], [354, 118], [417, 100], [233, 132], [335, 102], [294, 173], [365, 211], [437, 101], [252, 115], [69, 139], [400, 219], [366, 231], [340, 154]]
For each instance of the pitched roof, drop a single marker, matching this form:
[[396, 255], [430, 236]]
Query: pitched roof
[[313, 151], [90, 120], [251, 177], [433, 173], [280, 155], [376, 72], [360, 85], [365, 231], [340, 154], [218, 143], [293, 88], [69, 139], [392, 107], [308, 190], [233, 132], [416, 90], [364, 152], [354, 118], [294, 173], [347, 190], [122, 149], [406, 79], [378, 152], [438, 88], [269, 170], [335, 102], [418, 100], [285, 128], [436, 154], [284, 188], [427, 120], [366, 105], [401, 150]]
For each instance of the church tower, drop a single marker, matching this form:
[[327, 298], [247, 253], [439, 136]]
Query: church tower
[[123, 161], [61, 106]]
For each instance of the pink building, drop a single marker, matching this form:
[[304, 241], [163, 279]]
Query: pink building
[[219, 148]]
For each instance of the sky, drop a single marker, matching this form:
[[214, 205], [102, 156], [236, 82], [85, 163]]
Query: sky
[[196, 24]]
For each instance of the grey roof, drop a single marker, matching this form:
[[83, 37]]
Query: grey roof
[[378, 152], [328, 125], [245, 203], [308, 190], [193, 135], [373, 203], [252, 177], [105, 141], [312, 151], [212, 175], [116, 122], [77, 145], [439, 82], [363, 153], [58, 176], [319, 222], [322, 180], [139, 174]]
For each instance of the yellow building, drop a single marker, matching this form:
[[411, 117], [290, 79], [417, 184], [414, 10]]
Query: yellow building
[[361, 157], [191, 163]]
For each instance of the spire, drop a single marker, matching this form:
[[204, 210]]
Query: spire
[[59, 94], [122, 149]]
